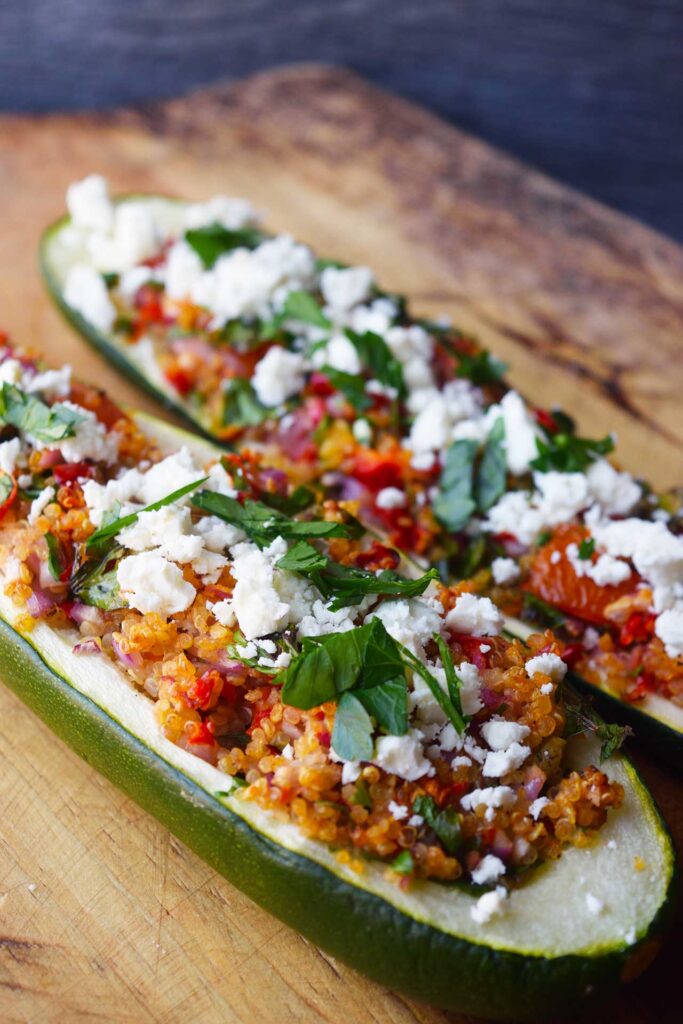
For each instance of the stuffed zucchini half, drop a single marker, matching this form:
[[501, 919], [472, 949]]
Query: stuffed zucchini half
[[360, 751], [258, 343]]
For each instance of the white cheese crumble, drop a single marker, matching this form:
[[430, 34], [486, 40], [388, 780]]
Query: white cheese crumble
[[86, 292], [491, 904], [537, 806], [278, 376], [343, 288], [501, 762], [549, 664], [489, 869], [669, 629], [9, 453], [150, 583], [474, 616], [403, 756], [500, 734], [228, 212], [605, 571], [491, 797], [222, 611], [390, 498], [255, 601], [89, 205], [91, 438], [505, 570], [521, 431], [40, 503], [398, 811]]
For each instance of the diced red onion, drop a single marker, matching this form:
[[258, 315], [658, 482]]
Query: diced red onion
[[50, 458], [81, 613], [502, 845], [490, 698], [91, 646], [131, 660], [534, 783], [40, 603]]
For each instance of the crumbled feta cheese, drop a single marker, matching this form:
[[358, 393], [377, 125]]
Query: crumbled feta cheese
[[135, 237], [222, 611], [549, 664], [484, 648], [470, 688], [350, 772], [402, 756], [546, 689], [669, 629], [86, 292], [216, 534], [505, 570], [278, 376], [288, 752], [150, 583], [440, 413], [521, 431], [255, 601], [595, 905], [168, 529], [132, 280], [615, 492], [339, 353], [50, 383], [343, 288], [89, 204], [499, 733], [229, 212], [488, 870], [40, 503], [557, 499], [184, 270], [491, 797], [411, 622], [9, 453], [475, 616], [91, 438], [500, 762], [390, 498], [605, 571], [398, 811], [537, 806], [11, 372], [316, 618], [491, 904]]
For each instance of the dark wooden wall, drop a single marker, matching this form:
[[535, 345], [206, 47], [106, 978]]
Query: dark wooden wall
[[589, 90]]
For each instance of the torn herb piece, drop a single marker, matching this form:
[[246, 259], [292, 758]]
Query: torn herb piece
[[482, 368], [56, 562], [454, 504], [241, 407], [345, 585], [303, 307], [352, 731], [453, 681], [491, 476], [263, 524], [47, 424], [403, 864], [586, 548], [110, 530], [300, 499], [378, 360], [445, 823], [568, 453], [351, 386], [581, 718], [214, 240]]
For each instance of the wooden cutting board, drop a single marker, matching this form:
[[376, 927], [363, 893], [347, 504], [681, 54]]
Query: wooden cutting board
[[104, 916]]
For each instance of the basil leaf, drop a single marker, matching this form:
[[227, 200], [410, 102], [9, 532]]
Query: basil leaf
[[482, 368], [263, 524], [586, 548], [55, 556], [289, 504], [454, 504], [445, 823], [492, 473], [378, 359], [110, 530], [352, 731], [6, 487], [95, 582], [351, 386], [303, 307], [382, 662], [303, 558], [388, 704], [44, 423], [568, 453], [580, 718], [442, 699], [214, 240], [347, 585], [241, 407], [403, 864], [611, 738], [453, 681]]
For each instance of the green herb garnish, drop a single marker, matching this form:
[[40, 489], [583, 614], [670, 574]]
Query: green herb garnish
[[482, 368], [351, 386], [347, 585], [454, 505], [445, 823], [403, 864], [491, 476], [241, 407], [47, 424], [263, 524], [303, 307], [568, 453], [214, 240], [56, 561], [586, 548]]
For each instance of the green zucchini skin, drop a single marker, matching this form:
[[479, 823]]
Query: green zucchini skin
[[664, 742], [99, 341], [351, 924]]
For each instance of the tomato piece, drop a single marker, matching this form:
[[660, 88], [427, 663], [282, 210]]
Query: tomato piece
[[97, 402], [379, 469], [179, 379], [8, 487], [67, 472], [557, 583], [639, 628], [377, 556], [201, 733]]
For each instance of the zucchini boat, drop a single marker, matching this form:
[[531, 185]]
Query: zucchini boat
[[313, 723], [259, 344]]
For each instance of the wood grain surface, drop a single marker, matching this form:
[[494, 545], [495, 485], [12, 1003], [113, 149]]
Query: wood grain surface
[[104, 916]]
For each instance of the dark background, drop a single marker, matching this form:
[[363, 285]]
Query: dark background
[[589, 90]]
